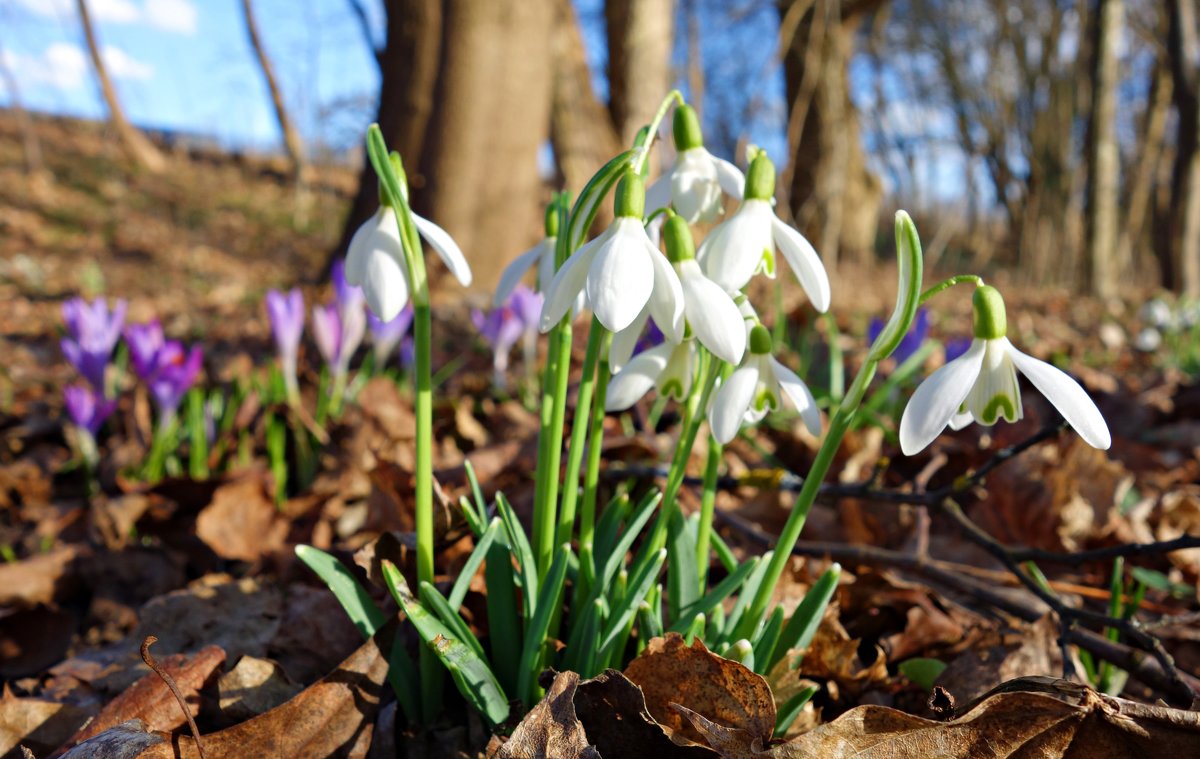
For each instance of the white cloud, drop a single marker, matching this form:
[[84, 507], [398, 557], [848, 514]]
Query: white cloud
[[62, 66], [178, 16], [122, 65], [175, 16], [65, 67]]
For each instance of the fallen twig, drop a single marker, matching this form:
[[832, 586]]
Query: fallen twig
[[153, 664]]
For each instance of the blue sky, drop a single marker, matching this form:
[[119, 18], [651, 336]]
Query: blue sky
[[186, 65]]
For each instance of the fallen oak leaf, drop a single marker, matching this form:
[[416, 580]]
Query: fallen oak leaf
[[333, 717], [614, 715], [551, 730], [1063, 719], [150, 701], [36, 723], [671, 672]]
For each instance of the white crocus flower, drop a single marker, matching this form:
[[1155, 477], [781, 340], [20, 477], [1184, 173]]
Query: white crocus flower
[[695, 183], [375, 260], [745, 244], [981, 386], [710, 314], [667, 366], [759, 385], [620, 272]]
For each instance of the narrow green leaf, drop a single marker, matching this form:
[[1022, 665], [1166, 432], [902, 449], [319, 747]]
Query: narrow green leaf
[[449, 617], [749, 590], [519, 544], [922, 671], [683, 576], [724, 552], [639, 586], [805, 620], [615, 513], [470, 672], [504, 621], [714, 597], [535, 634], [463, 582], [695, 629], [791, 709], [633, 528], [768, 637]]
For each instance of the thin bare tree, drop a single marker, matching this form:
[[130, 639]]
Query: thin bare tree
[[34, 163], [640, 37], [1183, 40], [291, 136], [139, 149], [1103, 156]]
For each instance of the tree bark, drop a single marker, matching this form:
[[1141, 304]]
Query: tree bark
[[640, 37], [139, 149], [291, 137], [408, 69], [828, 175], [1104, 163], [581, 132], [1184, 211], [1144, 172], [491, 113]]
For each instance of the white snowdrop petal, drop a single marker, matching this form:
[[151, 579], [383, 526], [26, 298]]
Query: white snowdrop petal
[[938, 399], [565, 287], [621, 277], [805, 262], [658, 193], [731, 402], [1067, 396], [730, 177], [385, 285], [625, 341], [714, 317], [448, 250], [800, 396], [636, 378], [514, 272], [666, 299]]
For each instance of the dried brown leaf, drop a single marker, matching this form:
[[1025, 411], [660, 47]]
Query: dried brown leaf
[[39, 725], [252, 687], [1064, 720], [550, 730], [613, 712], [39, 579], [150, 701], [241, 522], [723, 691], [333, 717]]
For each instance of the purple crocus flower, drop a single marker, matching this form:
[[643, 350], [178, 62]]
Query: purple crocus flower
[[387, 335], [145, 342], [339, 326], [527, 305], [501, 328], [88, 407], [173, 376], [286, 312], [166, 368], [912, 340], [93, 331], [955, 347]]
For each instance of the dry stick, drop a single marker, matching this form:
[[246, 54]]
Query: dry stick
[[950, 575], [153, 664]]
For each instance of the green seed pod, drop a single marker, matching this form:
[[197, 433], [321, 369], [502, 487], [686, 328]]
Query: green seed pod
[[760, 180], [685, 125], [991, 321]]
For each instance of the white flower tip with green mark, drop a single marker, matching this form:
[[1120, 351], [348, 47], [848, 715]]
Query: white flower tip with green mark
[[981, 385]]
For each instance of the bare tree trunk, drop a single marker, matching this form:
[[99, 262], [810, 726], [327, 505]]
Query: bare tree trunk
[[408, 69], [828, 173], [1184, 212], [140, 149], [490, 118], [1104, 163], [291, 137], [640, 34], [34, 165], [1142, 183], [581, 131]]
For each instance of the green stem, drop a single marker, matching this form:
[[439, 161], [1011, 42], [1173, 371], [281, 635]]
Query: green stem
[[674, 96], [804, 501], [550, 448], [591, 480], [708, 501], [946, 284], [598, 338]]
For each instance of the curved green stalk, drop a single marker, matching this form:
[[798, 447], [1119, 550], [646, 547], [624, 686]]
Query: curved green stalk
[[591, 480], [598, 338], [708, 501], [946, 284]]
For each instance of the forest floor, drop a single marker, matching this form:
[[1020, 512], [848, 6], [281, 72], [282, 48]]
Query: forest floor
[[207, 565]]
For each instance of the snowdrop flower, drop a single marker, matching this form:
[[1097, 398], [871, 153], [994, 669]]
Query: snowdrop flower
[[93, 331], [667, 366], [755, 388], [744, 245], [375, 260], [620, 272], [286, 313], [981, 386], [695, 183], [710, 314], [540, 256]]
